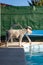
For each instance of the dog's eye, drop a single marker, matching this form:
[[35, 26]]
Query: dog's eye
[[30, 28]]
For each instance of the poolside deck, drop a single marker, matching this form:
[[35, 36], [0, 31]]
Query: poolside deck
[[16, 44]]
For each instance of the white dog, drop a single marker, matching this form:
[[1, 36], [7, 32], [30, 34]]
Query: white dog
[[13, 33]]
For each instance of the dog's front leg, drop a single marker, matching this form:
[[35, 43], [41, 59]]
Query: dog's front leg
[[20, 40]]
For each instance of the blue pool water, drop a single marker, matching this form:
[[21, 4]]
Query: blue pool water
[[35, 59]]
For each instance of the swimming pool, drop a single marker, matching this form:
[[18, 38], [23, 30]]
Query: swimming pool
[[36, 58]]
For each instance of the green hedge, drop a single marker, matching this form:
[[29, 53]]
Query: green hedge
[[24, 15]]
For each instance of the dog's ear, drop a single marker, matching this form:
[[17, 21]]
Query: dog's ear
[[26, 28]]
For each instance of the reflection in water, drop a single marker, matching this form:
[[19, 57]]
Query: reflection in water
[[36, 58]]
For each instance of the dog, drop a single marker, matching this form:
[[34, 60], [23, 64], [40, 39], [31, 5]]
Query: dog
[[19, 33]]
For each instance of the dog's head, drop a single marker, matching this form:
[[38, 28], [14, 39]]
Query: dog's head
[[29, 29]]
